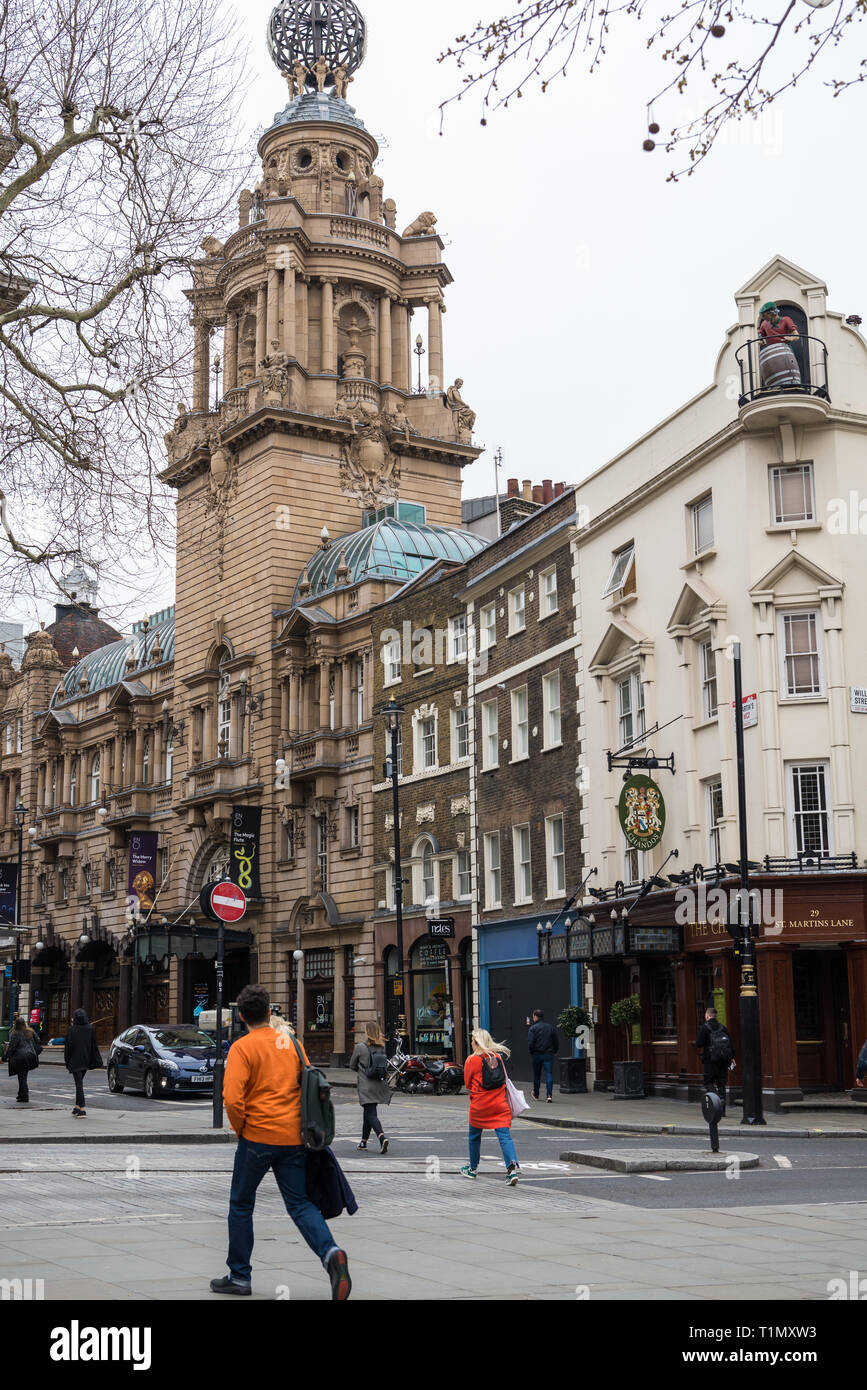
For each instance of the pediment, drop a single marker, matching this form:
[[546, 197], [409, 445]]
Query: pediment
[[621, 640], [693, 604], [795, 576], [780, 266]]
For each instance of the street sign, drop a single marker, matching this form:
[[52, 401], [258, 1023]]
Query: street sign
[[228, 902], [397, 988], [441, 926], [750, 706]]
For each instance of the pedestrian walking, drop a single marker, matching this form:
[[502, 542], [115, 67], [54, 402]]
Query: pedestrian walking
[[81, 1055], [485, 1080], [861, 1068], [544, 1045], [370, 1061], [262, 1095], [22, 1055], [717, 1054]]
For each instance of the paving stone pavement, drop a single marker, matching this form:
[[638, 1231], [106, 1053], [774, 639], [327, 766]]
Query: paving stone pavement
[[97, 1224]]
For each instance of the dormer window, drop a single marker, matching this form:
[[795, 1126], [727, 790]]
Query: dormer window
[[622, 576]]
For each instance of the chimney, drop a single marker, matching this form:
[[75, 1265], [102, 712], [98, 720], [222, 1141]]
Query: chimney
[[537, 494], [528, 490], [547, 490], [513, 487], [559, 489]]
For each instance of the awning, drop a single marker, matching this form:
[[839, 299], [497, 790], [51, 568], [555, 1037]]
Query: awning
[[184, 942]]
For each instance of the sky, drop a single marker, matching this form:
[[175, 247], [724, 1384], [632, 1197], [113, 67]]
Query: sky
[[591, 296]]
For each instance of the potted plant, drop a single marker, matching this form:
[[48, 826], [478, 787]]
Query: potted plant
[[628, 1075], [573, 1070]]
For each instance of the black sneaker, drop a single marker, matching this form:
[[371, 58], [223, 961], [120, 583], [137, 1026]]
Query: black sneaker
[[337, 1268], [383, 1144], [229, 1285]]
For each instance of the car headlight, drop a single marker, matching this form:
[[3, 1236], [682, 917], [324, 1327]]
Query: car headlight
[[169, 1066]]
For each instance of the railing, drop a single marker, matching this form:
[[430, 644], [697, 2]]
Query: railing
[[352, 388], [242, 242], [357, 229], [765, 373], [805, 863], [304, 754]]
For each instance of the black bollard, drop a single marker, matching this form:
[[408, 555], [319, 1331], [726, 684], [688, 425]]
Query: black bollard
[[712, 1108]]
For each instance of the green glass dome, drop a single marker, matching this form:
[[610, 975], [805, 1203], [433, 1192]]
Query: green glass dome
[[107, 665], [390, 549]]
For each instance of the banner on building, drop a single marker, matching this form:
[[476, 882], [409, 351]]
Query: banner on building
[[141, 882], [8, 894], [642, 813], [244, 849]]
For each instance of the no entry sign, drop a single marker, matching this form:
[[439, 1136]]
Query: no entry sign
[[225, 901]]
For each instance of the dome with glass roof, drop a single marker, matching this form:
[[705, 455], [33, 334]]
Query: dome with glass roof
[[390, 549], [107, 665]]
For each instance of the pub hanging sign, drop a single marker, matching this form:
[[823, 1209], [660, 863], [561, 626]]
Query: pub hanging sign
[[641, 813]]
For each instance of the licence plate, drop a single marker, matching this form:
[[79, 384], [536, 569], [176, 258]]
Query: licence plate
[[207, 1078]]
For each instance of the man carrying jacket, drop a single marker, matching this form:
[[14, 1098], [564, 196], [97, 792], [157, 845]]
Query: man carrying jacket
[[262, 1096], [543, 1043]]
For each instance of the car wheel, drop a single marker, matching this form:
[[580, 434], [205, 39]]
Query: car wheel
[[113, 1084], [150, 1086]]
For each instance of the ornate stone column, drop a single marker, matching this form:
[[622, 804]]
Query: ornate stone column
[[400, 344], [261, 327], [273, 319], [289, 313], [329, 339], [201, 366], [294, 701], [435, 344], [230, 352], [302, 283], [139, 754], [385, 346], [324, 692]]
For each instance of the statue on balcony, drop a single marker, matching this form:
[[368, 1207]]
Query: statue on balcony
[[275, 379], [777, 363], [422, 226], [463, 416]]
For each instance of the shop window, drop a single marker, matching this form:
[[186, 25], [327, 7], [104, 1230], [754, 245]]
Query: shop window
[[704, 992], [319, 964], [432, 1005], [663, 1008]]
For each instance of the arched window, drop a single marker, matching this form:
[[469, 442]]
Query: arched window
[[224, 715], [94, 777], [425, 873], [73, 782], [218, 866], [428, 873], [146, 760], [170, 755]]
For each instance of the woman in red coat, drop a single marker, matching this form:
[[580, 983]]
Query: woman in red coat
[[489, 1107]]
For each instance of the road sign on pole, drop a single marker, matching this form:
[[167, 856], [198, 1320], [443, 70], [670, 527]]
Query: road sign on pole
[[226, 901]]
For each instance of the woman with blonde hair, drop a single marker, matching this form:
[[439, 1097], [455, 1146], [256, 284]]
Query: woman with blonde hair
[[370, 1062], [485, 1080]]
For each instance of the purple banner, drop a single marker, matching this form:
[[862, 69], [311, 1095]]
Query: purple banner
[[9, 894], [142, 881]]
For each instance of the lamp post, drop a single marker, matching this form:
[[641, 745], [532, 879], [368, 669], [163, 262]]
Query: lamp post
[[393, 713], [751, 1040], [419, 351], [218, 1060], [20, 817]]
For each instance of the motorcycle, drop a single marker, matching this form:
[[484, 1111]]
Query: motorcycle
[[417, 1075]]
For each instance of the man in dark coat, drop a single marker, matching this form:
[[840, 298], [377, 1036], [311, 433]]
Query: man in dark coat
[[81, 1054], [715, 1072], [543, 1043], [861, 1069]]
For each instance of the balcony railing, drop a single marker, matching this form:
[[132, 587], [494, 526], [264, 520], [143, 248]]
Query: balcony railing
[[799, 368], [806, 863]]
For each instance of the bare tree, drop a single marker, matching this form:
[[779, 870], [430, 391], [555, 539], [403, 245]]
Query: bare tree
[[760, 56], [117, 153]]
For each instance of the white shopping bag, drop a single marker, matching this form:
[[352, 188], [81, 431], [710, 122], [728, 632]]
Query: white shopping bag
[[517, 1102]]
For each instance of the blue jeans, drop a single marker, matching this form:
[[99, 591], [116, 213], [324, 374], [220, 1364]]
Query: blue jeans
[[289, 1162], [540, 1060], [507, 1146]]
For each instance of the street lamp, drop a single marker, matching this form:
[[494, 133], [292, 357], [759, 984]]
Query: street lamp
[[419, 352], [392, 714], [753, 1109], [21, 814]]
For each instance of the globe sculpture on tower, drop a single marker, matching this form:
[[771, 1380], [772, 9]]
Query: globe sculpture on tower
[[317, 44]]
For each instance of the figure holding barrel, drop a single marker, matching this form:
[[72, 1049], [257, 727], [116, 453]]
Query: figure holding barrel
[[779, 366]]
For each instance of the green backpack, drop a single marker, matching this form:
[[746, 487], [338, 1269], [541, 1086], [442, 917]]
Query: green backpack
[[317, 1107]]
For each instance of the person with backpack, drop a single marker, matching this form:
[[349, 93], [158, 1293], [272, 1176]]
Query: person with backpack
[[544, 1044], [370, 1061], [265, 1093], [81, 1055], [717, 1054], [22, 1055], [485, 1080]]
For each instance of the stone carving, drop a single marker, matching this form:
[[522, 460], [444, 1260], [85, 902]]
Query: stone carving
[[186, 434], [463, 416], [398, 421], [369, 471], [320, 72], [425, 814], [389, 213], [460, 806], [213, 248], [223, 487], [341, 79], [422, 226], [354, 360], [276, 384]]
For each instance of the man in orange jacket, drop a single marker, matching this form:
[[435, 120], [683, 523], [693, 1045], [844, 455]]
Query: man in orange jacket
[[262, 1095]]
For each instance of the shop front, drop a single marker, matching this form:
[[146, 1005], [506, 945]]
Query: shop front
[[812, 981], [512, 985], [329, 1004], [435, 995]]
